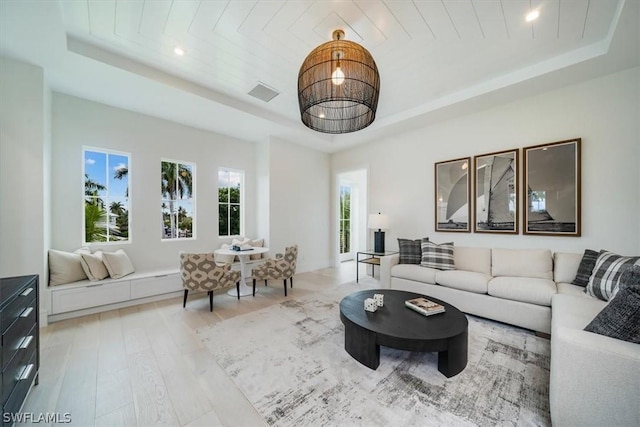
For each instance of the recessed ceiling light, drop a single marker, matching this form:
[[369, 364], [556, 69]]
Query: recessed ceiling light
[[178, 51], [532, 16]]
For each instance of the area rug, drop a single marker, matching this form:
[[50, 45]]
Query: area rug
[[289, 361]]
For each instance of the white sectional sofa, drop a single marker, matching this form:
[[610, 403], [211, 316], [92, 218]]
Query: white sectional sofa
[[595, 380]]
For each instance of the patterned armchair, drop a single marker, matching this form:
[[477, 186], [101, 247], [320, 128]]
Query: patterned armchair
[[280, 268], [200, 273]]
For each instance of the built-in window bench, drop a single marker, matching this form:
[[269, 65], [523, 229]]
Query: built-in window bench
[[87, 297]]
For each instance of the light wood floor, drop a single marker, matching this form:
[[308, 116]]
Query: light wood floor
[[144, 365]]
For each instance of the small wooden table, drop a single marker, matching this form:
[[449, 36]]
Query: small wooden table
[[396, 326], [373, 259]]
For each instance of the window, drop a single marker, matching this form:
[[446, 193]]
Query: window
[[345, 219], [537, 201], [230, 209], [106, 196], [177, 185]]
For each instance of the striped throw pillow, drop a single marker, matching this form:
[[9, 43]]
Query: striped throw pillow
[[607, 272], [437, 256]]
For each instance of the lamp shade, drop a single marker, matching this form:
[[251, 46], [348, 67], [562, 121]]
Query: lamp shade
[[378, 221], [338, 87]]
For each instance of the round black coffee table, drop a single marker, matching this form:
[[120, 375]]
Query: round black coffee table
[[396, 326]]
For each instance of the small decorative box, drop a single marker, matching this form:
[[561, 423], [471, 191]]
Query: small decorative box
[[379, 299], [370, 304]]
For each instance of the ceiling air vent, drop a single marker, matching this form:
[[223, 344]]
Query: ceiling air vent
[[263, 92]]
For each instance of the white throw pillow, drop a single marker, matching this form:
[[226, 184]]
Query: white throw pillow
[[118, 263], [259, 243], [65, 267], [226, 259], [93, 266]]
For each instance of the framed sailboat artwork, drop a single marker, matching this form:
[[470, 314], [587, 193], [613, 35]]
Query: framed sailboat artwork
[[452, 195], [496, 192], [552, 189]]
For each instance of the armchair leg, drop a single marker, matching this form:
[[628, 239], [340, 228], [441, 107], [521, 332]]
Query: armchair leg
[[265, 282], [238, 288], [254, 287], [184, 303], [210, 300], [291, 280], [285, 287]]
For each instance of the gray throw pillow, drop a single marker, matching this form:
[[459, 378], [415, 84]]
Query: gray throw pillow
[[621, 316], [410, 251], [586, 268], [437, 256]]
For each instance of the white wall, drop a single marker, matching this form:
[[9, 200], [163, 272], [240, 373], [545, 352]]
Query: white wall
[[299, 200], [25, 118], [78, 122], [23, 153], [603, 112]]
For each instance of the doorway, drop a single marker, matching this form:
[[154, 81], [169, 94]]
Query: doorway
[[351, 218]]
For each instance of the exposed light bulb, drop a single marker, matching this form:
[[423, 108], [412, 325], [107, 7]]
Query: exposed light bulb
[[321, 115], [532, 16], [337, 77]]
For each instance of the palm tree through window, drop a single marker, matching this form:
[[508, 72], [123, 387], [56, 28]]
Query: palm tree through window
[[177, 184], [106, 196]]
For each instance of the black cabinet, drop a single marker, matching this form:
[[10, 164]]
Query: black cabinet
[[20, 354]]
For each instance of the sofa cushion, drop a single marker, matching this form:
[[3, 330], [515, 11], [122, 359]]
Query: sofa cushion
[[464, 280], [438, 256], [621, 317], [65, 267], [565, 266], [607, 272], [93, 266], [585, 268], [472, 259], [118, 263], [414, 272], [410, 251], [571, 289], [523, 289], [532, 263]]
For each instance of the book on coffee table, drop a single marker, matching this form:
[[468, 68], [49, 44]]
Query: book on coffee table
[[424, 306]]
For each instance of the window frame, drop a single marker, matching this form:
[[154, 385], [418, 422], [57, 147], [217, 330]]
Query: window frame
[[108, 152], [241, 204], [192, 199]]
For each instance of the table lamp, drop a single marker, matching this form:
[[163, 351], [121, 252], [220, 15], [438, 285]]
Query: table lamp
[[380, 222]]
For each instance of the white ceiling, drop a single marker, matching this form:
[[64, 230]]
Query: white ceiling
[[436, 58]]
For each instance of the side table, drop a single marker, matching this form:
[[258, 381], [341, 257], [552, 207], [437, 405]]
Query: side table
[[372, 258]]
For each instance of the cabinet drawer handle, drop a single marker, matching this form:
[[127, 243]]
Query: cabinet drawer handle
[[162, 275], [26, 292], [27, 311], [26, 373], [26, 341], [97, 284]]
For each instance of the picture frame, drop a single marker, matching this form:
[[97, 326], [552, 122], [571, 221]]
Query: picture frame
[[551, 202], [452, 195], [496, 190]]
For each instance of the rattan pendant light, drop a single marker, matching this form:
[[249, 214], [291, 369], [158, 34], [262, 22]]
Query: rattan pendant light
[[338, 87]]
